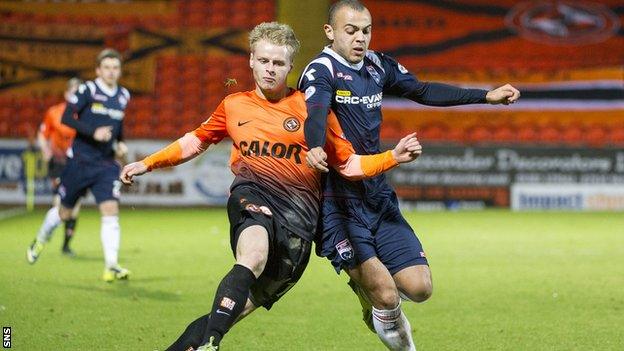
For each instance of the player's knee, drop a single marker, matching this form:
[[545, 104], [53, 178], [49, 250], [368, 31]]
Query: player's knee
[[255, 261], [384, 298], [64, 213], [420, 292]]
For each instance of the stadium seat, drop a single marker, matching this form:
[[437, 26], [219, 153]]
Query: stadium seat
[[526, 133], [549, 134], [573, 135], [478, 134], [595, 136]]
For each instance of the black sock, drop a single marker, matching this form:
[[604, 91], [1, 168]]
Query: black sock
[[229, 302], [192, 336], [70, 225]]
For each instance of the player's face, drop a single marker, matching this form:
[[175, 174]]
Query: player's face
[[270, 65], [109, 71], [350, 34]]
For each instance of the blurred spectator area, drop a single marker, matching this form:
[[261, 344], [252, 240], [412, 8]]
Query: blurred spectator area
[[189, 80]]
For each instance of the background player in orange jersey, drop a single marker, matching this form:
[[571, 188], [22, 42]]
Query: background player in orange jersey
[[274, 203], [54, 138]]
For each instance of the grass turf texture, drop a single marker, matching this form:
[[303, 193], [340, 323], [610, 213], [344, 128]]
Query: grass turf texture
[[502, 281]]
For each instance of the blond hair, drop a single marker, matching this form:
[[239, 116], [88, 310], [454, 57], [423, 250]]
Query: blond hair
[[275, 33]]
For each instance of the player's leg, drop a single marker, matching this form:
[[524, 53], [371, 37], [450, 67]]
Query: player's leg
[[70, 229], [69, 188], [106, 188], [401, 253], [252, 251], [414, 283], [389, 322], [194, 332], [50, 222]]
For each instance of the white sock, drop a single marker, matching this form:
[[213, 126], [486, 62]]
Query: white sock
[[393, 329], [51, 221], [110, 234]]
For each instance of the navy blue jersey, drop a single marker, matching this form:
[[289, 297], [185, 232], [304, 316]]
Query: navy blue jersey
[[355, 93], [95, 105]]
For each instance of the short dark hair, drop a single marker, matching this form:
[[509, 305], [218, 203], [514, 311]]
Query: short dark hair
[[353, 4], [107, 53]]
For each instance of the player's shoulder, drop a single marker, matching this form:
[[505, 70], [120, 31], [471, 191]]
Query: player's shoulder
[[322, 63], [87, 87], [124, 92], [238, 96]]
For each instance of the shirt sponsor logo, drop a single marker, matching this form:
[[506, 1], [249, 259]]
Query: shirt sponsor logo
[[371, 102], [268, 149], [111, 112], [343, 93]]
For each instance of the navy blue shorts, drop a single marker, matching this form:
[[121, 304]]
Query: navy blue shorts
[[101, 178], [354, 230]]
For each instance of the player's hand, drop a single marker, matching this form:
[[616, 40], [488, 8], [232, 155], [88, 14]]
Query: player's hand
[[408, 149], [131, 170], [103, 134], [316, 159], [505, 95], [121, 150]]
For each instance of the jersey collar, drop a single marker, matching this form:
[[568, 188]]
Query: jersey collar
[[103, 87], [332, 53]]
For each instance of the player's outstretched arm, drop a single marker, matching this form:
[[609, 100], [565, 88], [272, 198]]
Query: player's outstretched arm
[[357, 167], [180, 151], [132, 170], [505, 95], [408, 149]]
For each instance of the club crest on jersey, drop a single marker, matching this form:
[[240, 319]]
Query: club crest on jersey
[[373, 72], [344, 76], [291, 124], [345, 250]]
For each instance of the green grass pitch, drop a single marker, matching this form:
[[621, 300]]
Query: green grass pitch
[[502, 281]]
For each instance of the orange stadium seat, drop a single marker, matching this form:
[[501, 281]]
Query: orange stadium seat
[[479, 134], [616, 136], [572, 135], [526, 133], [549, 134], [595, 136], [503, 134]]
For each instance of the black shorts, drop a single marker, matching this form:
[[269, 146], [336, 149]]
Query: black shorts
[[288, 253], [55, 169]]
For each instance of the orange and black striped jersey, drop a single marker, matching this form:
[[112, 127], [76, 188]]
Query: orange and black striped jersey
[[269, 150], [59, 136]]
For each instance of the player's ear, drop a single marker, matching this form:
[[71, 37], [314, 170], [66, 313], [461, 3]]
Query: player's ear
[[329, 32], [251, 60]]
